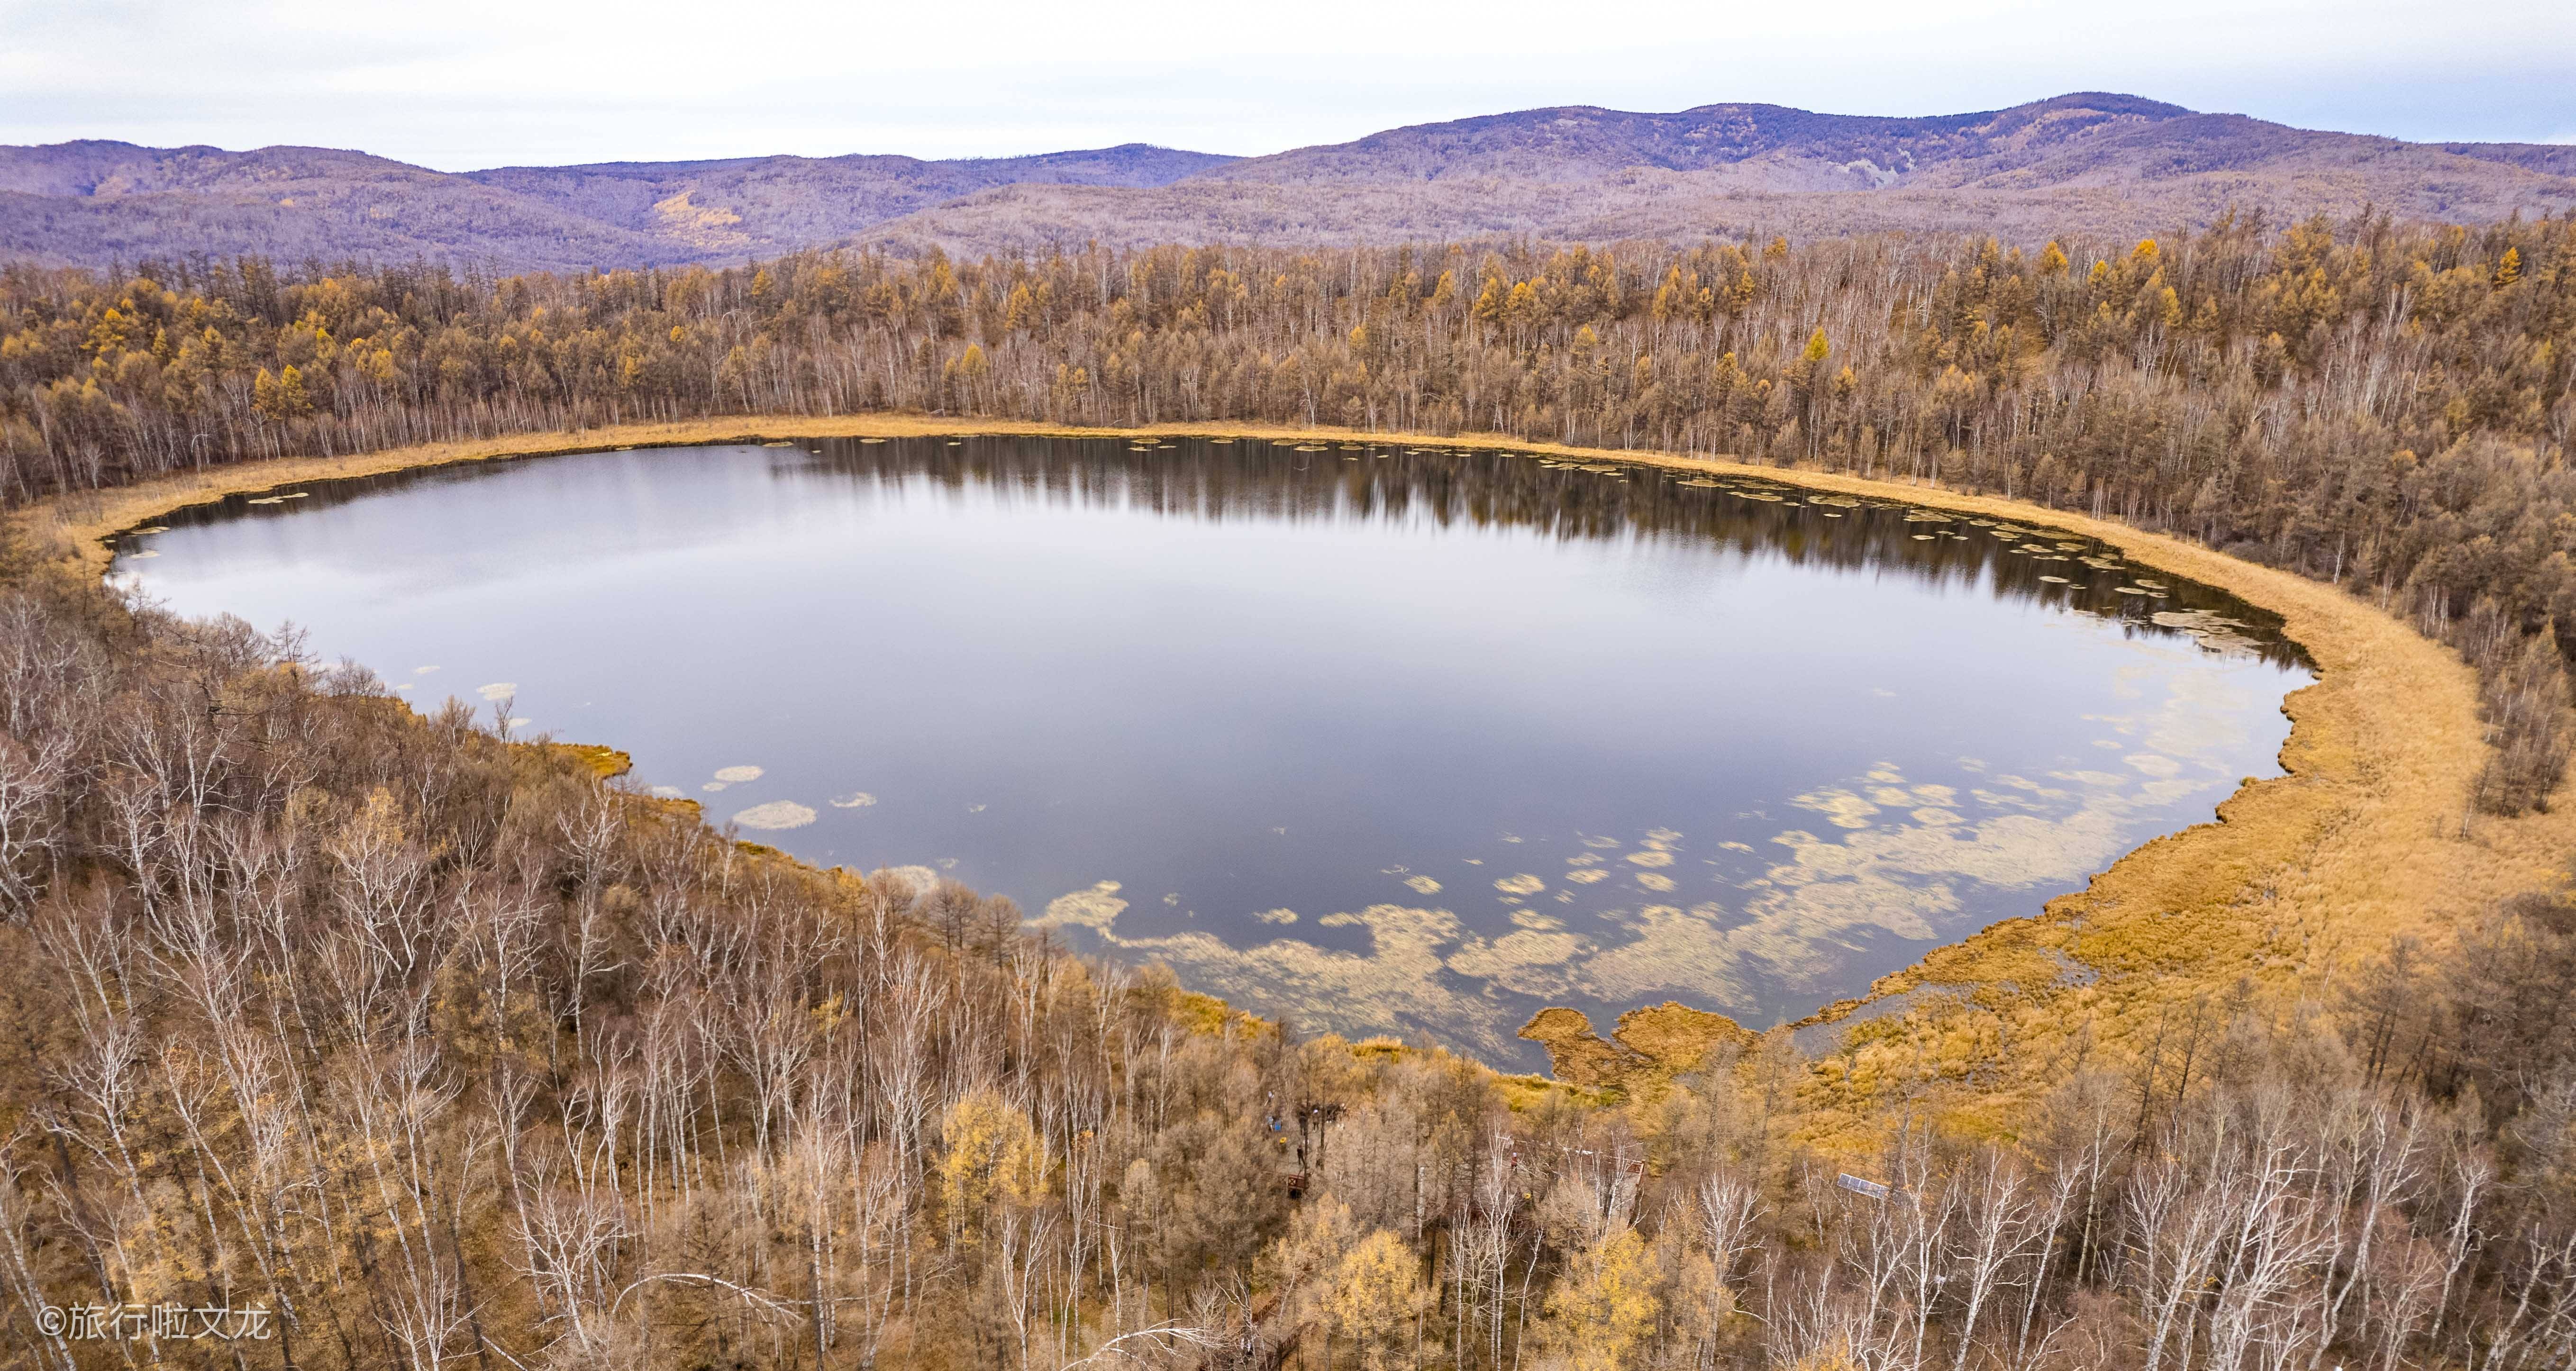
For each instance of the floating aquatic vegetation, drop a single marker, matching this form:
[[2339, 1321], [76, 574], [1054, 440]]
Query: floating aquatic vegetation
[[2056, 580], [668, 792], [1654, 880], [1698, 482], [154, 528], [2211, 630], [1423, 885], [1528, 961], [1399, 986], [777, 814], [2151, 585], [712, 786], [1584, 859], [856, 799], [1270, 916], [975, 809], [138, 556], [1586, 875], [736, 775], [872, 440], [497, 690], [780, 445], [1923, 537], [422, 670], [1651, 857], [268, 500], [1841, 808], [2129, 590], [1095, 908], [1523, 884]]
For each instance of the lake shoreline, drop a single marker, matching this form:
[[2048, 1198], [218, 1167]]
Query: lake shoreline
[[2298, 877]]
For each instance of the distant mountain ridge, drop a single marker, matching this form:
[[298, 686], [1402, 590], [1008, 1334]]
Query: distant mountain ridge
[[2090, 162], [96, 201]]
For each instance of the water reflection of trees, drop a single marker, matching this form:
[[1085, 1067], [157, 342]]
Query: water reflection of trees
[[1483, 488]]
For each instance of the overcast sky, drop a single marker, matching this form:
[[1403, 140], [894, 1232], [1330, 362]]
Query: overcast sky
[[458, 84]]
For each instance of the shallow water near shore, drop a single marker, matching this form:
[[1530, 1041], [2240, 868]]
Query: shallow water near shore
[[1382, 739]]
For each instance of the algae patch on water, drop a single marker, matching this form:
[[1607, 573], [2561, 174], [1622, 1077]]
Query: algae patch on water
[[777, 814]]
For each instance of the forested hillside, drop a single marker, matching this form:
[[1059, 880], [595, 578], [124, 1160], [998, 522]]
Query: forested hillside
[[99, 201], [2089, 163], [2384, 408], [441, 1051]]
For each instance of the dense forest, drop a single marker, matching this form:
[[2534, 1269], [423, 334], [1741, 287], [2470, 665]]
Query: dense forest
[[435, 1050], [2385, 407]]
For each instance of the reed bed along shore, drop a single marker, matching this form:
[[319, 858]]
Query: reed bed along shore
[[2301, 878]]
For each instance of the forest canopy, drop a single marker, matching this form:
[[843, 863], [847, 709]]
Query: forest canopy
[[440, 1049]]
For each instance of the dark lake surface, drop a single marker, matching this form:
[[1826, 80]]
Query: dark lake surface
[[1389, 740]]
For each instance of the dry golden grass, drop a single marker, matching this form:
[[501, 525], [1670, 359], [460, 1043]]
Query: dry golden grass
[[606, 763], [2301, 877]]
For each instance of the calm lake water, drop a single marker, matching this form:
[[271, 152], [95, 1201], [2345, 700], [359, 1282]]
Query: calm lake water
[[1387, 740]]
